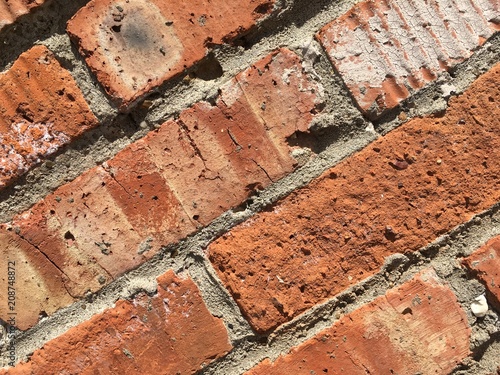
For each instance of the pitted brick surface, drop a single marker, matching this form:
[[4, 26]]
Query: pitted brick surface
[[161, 188], [135, 45], [384, 50], [416, 328], [397, 195], [36, 282], [171, 332], [41, 109]]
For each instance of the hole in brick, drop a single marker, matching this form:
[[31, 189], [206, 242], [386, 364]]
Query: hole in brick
[[302, 288], [52, 212], [154, 197], [305, 251], [390, 234], [491, 99], [196, 217], [208, 69], [407, 311], [116, 28], [69, 236]]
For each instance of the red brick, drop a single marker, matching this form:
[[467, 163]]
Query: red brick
[[416, 328], [41, 109], [169, 333], [385, 50], [37, 283], [146, 199], [214, 156], [395, 196], [134, 46], [159, 189], [82, 230], [11, 10], [485, 263]]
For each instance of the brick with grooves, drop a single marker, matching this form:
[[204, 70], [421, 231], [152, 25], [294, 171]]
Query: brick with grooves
[[135, 45], [417, 328], [395, 196], [161, 188], [41, 109], [386, 49], [11, 10], [171, 332], [485, 264]]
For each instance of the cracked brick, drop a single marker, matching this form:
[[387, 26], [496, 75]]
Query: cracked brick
[[37, 282], [162, 187]]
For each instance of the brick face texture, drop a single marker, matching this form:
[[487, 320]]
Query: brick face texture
[[41, 109], [171, 332], [134, 46], [85, 250], [386, 49], [40, 284], [395, 196], [161, 188], [416, 328]]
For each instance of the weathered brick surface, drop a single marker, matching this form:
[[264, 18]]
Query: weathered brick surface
[[161, 188], [386, 49], [41, 109], [10, 10], [133, 46], [397, 195], [485, 264], [171, 332], [33, 279], [417, 328]]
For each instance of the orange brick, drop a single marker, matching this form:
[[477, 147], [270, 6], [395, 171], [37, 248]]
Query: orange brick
[[159, 189], [134, 46], [416, 328], [145, 198], [36, 283], [485, 263], [169, 333], [11, 10], [214, 156], [385, 50], [82, 230], [395, 196], [41, 109]]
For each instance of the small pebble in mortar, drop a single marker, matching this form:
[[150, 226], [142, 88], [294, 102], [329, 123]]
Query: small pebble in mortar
[[479, 306]]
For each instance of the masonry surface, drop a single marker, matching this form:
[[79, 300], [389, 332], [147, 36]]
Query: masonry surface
[[252, 187]]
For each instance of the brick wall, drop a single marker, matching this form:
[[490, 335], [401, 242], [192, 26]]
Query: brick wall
[[251, 187]]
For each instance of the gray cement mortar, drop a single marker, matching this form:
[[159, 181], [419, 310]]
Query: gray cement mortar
[[341, 130]]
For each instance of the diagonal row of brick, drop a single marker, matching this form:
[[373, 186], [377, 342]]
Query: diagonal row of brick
[[397, 195], [163, 187]]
